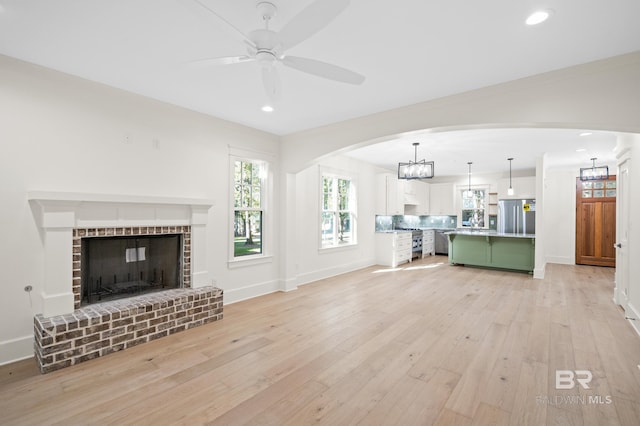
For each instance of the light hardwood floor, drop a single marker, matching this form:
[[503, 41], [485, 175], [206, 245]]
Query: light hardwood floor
[[426, 344]]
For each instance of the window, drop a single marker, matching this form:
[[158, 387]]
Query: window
[[248, 208], [338, 212], [473, 208]]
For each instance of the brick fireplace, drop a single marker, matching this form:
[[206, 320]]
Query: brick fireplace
[[66, 333], [96, 234]]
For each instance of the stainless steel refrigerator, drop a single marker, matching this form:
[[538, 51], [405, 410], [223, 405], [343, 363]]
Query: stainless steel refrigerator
[[517, 216]]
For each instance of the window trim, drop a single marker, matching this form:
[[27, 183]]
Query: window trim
[[266, 198], [461, 190], [353, 202]]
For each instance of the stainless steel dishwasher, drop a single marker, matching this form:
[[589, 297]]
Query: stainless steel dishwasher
[[442, 241]]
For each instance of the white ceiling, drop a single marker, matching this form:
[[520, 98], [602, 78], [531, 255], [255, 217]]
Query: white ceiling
[[409, 50]]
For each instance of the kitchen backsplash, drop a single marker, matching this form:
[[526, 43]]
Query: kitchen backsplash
[[389, 223]]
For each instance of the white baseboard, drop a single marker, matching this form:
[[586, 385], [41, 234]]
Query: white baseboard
[[16, 349], [243, 293], [561, 260], [538, 273], [634, 317], [321, 274]]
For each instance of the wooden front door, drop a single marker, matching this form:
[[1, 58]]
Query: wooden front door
[[596, 222]]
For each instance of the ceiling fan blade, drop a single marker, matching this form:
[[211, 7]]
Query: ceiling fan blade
[[228, 24], [225, 60], [271, 82], [323, 69], [310, 20]]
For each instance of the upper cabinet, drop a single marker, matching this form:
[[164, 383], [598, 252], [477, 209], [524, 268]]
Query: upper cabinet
[[441, 199], [390, 198], [399, 196], [416, 197]]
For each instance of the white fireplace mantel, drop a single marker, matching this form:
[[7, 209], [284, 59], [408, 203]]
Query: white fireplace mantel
[[58, 213]]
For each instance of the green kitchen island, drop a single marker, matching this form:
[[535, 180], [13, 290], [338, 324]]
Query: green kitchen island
[[491, 249]]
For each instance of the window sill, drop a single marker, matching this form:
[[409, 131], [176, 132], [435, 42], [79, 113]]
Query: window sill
[[249, 261], [338, 248]]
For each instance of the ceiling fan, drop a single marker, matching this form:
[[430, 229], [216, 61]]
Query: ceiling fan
[[267, 47]]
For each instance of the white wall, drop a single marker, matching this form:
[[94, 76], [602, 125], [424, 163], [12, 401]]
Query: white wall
[[560, 216], [61, 133], [568, 98]]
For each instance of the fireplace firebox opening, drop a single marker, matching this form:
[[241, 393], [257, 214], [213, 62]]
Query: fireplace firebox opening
[[124, 266]]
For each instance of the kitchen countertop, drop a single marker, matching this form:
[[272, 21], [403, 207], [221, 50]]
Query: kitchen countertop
[[489, 233]]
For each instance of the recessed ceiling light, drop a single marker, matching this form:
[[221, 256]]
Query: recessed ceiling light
[[586, 134], [267, 108], [580, 150], [538, 17]]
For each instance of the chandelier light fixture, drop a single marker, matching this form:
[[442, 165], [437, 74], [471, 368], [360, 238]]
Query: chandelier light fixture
[[593, 172], [510, 190], [469, 192], [415, 169]]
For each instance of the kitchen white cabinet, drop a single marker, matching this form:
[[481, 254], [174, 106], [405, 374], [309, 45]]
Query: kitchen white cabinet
[[410, 191], [416, 198], [393, 248], [390, 197], [428, 243], [441, 199]]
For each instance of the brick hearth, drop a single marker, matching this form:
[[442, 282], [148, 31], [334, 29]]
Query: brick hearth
[[103, 328]]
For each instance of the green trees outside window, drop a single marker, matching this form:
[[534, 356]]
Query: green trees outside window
[[248, 208], [338, 212]]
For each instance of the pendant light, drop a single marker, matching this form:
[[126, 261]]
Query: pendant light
[[469, 193], [416, 169], [510, 190], [593, 172]]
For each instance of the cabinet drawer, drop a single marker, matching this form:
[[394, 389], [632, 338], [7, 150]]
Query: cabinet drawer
[[402, 256], [402, 245], [403, 236]]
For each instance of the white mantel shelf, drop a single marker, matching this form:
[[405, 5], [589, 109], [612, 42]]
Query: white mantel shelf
[[44, 197], [58, 213]]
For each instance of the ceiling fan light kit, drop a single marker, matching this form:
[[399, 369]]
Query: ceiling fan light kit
[[268, 47]]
